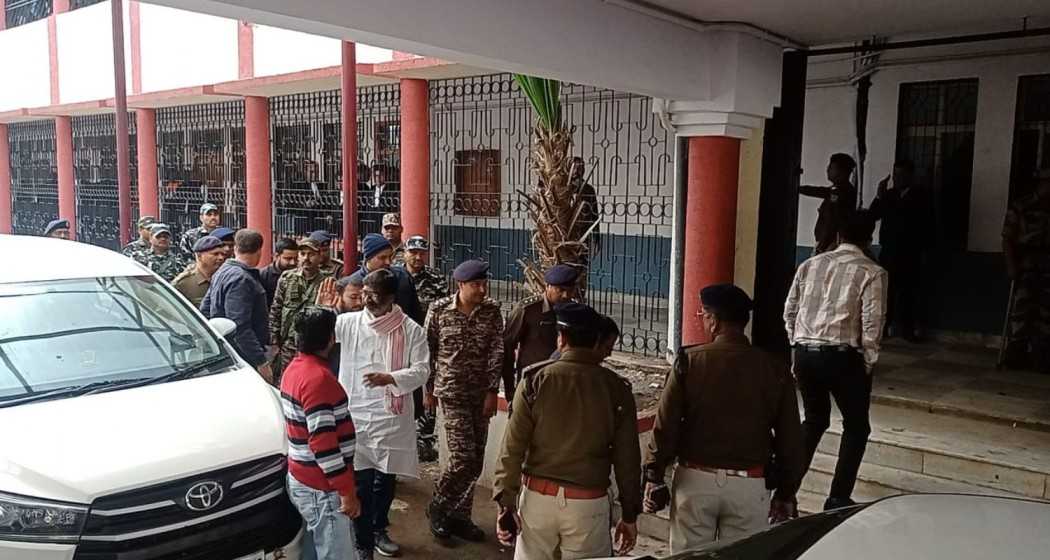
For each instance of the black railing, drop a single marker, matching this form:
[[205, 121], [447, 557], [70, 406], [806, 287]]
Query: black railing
[[34, 176], [77, 4], [200, 155], [21, 12], [480, 151], [95, 170]]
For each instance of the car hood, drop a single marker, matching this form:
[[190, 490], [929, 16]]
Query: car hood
[[80, 448]]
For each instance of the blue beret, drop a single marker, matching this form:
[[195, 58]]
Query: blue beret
[[576, 315], [222, 233], [373, 245], [471, 270], [561, 275], [206, 243], [728, 299], [56, 224], [321, 237]]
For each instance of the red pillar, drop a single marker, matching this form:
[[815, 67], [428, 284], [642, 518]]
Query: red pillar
[[415, 157], [348, 111], [257, 161], [710, 224], [120, 93], [146, 148], [67, 194], [5, 180]]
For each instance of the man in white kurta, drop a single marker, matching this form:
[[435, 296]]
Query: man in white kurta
[[383, 358]]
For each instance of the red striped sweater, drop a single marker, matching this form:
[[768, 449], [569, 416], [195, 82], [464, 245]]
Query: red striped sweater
[[320, 432]]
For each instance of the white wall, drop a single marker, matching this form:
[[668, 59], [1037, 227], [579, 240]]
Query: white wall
[[181, 49], [85, 53], [24, 66], [829, 128]]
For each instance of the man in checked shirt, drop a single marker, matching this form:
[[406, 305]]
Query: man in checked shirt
[[834, 315]]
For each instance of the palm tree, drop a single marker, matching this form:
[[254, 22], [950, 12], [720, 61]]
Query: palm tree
[[555, 206]]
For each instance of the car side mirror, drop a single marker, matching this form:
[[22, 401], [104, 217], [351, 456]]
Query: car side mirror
[[223, 326]]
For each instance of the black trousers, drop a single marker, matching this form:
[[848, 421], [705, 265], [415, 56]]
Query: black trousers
[[840, 375], [905, 303]]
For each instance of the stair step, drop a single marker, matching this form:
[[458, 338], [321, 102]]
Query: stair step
[[990, 455]]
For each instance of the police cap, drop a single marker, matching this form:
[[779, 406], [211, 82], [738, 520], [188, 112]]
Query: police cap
[[146, 221], [417, 243], [223, 233], [469, 271], [56, 224], [321, 237], [561, 275], [728, 301], [575, 315], [208, 207], [206, 243], [157, 229]]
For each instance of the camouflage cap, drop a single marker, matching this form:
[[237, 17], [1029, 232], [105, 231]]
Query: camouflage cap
[[417, 243], [146, 221], [392, 219], [157, 229]]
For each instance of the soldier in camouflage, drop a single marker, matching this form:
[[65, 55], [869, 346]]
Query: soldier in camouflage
[[392, 230], [1026, 246], [465, 336], [296, 290], [209, 221], [141, 247], [161, 259], [329, 266]]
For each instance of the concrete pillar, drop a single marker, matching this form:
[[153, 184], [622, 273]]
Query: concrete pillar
[[5, 181], [415, 157], [710, 224], [146, 148], [257, 162], [348, 111], [67, 194]]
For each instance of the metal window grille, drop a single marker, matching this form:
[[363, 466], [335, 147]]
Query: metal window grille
[[200, 156], [34, 176], [95, 171], [1031, 152], [307, 159], [21, 12], [486, 122], [77, 4], [935, 130]]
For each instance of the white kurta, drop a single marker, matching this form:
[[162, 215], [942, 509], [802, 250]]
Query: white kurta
[[385, 441]]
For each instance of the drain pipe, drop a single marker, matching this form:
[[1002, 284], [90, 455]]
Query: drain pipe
[[674, 302]]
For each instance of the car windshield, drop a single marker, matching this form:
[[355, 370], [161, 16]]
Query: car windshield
[[783, 542], [67, 337]]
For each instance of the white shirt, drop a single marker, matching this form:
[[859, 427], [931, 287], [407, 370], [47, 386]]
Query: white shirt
[[385, 441], [838, 298]]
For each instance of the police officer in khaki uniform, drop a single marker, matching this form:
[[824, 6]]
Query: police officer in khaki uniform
[[561, 447], [721, 404], [195, 280], [530, 336]]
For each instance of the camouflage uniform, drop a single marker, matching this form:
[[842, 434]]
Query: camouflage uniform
[[185, 248], [138, 250], [466, 356], [294, 293], [399, 255], [1028, 228], [430, 286], [167, 266], [334, 268]]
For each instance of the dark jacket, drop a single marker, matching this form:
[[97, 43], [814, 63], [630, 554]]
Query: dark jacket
[[406, 297], [839, 202], [527, 339], [237, 294], [269, 277]]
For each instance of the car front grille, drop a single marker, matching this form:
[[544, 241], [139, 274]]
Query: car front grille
[[186, 519]]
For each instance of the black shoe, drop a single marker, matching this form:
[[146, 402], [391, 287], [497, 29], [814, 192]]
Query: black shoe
[[363, 554], [836, 503], [385, 546], [439, 523], [427, 453], [466, 529]]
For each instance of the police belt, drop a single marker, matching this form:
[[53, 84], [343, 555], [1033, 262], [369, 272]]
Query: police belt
[[753, 472], [551, 488]]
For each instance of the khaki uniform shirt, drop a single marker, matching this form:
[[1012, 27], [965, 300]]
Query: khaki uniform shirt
[[573, 420], [526, 340], [729, 405], [466, 352], [192, 284]]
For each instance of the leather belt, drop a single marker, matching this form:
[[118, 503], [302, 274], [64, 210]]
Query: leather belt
[[825, 348], [551, 488], [753, 472]]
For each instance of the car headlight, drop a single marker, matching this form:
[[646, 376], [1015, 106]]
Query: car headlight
[[30, 519]]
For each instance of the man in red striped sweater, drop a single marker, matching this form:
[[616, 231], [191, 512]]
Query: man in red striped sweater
[[320, 440]]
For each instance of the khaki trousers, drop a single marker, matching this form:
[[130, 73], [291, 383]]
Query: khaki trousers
[[553, 527], [714, 506]]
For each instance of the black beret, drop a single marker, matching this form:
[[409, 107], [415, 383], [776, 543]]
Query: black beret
[[471, 270], [207, 243], [224, 233], [728, 299], [56, 224], [561, 275], [574, 315]]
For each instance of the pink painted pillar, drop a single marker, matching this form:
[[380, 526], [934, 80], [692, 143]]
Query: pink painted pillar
[[245, 50], [710, 224], [135, 29], [348, 111], [5, 181], [257, 162], [67, 194], [146, 148], [120, 94], [415, 158]]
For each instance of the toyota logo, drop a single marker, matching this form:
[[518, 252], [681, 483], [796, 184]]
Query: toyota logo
[[204, 495]]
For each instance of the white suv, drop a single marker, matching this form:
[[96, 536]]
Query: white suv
[[129, 428]]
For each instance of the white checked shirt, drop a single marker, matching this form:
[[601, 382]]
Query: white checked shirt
[[838, 298]]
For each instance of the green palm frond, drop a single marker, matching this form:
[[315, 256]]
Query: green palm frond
[[545, 96]]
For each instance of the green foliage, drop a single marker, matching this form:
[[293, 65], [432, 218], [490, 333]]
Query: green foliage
[[545, 96]]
